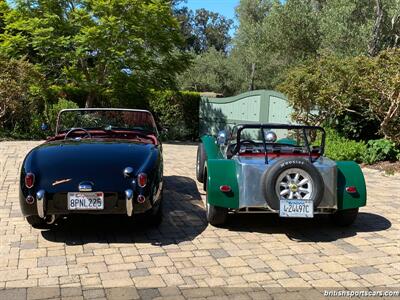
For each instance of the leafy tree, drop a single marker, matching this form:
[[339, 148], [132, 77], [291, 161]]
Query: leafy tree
[[204, 29], [346, 26], [382, 89], [391, 24], [93, 44], [273, 36], [211, 30], [3, 10], [248, 50], [340, 92], [21, 92], [185, 19], [359, 27], [292, 31], [211, 71]]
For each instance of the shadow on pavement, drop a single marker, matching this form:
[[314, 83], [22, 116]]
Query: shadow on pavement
[[318, 229], [183, 220]]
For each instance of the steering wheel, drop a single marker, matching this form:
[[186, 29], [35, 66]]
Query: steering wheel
[[236, 149], [87, 134], [248, 142]]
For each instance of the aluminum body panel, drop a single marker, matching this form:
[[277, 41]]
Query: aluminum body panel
[[251, 169]]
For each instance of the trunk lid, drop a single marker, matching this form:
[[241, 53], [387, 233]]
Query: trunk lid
[[62, 165]]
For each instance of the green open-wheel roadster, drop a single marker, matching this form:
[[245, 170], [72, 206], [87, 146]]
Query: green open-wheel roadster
[[277, 168]]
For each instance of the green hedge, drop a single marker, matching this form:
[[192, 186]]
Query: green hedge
[[380, 150], [178, 112], [340, 148]]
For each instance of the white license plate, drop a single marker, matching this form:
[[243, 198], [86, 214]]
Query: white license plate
[[296, 208], [86, 201]]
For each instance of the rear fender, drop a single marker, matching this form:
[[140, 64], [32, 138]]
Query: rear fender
[[222, 172], [211, 147], [349, 174]]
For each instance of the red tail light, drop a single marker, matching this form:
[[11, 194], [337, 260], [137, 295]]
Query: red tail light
[[351, 189], [225, 188], [29, 180], [142, 179]]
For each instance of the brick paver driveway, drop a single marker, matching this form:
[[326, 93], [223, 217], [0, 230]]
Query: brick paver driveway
[[257, 254]]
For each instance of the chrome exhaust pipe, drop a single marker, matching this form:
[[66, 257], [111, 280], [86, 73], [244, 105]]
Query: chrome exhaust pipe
[[50, 219]]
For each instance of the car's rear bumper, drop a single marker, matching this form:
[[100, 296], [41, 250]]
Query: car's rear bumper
[[114, 203]]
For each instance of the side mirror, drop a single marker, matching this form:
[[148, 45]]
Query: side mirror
[[44, 126], [222, 138]]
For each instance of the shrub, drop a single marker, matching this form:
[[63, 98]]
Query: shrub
[[53, 110], [341, 148], [21, 98], [177, 111], [380, 150], [359, 96]]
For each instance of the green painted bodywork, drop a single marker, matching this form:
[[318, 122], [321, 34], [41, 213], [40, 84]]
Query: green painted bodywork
[[221, 171], [349, 174], [212, 149]]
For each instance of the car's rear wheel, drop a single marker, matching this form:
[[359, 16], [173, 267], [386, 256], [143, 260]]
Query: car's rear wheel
[[154, 216], [200, 162], [345, 217], [216, 215]]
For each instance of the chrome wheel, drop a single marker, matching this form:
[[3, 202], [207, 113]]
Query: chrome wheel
[[294, 183]]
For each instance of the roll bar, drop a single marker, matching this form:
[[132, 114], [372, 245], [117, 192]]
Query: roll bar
[[303, 128]]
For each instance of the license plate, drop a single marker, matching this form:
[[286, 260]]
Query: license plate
[[296, 208], [86, 201]]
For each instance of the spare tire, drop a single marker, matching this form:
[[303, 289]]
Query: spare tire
[[292, 178]]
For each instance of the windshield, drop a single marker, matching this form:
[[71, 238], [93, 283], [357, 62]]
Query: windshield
[[92, 119], [274, 138]]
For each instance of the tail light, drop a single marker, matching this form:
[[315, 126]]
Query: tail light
[[29, 180], [225, 188], [142, 179], [351, 189]]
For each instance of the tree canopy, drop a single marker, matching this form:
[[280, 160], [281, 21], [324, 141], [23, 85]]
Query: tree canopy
[[97, 44], [204, 29], [274, 36]]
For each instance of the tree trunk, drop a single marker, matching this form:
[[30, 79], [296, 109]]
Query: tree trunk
[[374, 44], [90, 99], [252, 75], [391, 114], [395, 23]]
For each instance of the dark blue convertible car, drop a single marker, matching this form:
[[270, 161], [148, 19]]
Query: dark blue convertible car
[[100, 161]]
